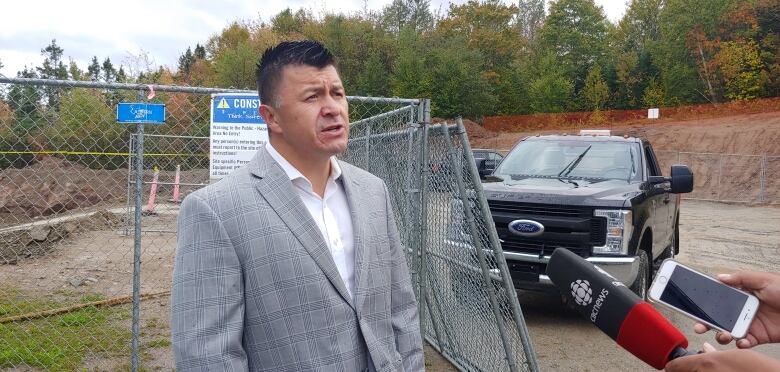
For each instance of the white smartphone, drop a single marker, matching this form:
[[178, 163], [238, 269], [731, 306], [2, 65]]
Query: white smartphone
[[703, 298]]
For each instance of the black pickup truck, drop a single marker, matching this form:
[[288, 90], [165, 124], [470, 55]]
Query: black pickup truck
[[598, 195]]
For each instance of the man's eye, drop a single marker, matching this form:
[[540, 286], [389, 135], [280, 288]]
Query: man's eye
[[338, 94], [311, 97]]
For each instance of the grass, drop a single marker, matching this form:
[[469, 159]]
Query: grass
[[160, 342], [61, 342]]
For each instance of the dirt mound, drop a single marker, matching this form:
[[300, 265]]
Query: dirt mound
[[55, 185]]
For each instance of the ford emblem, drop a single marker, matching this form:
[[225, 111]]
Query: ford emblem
[[526, 228]]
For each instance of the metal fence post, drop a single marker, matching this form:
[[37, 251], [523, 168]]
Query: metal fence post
[[470, 221], [762, 180], [425, 170], [139, 169], [720, 176], [514, 303]]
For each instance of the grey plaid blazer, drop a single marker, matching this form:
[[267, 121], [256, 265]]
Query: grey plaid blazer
[[255, 287]]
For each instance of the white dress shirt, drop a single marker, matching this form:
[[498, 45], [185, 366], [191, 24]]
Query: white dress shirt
[[331, 214]]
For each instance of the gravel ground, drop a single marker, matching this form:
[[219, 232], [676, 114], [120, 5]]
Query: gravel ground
[[714, 238]]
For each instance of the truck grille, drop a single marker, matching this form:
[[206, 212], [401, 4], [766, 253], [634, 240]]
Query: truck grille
[[573, 228]]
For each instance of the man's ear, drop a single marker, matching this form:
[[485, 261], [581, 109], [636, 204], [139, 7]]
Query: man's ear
[[270, 118]]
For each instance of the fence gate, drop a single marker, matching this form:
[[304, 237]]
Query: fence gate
[[86, 259]]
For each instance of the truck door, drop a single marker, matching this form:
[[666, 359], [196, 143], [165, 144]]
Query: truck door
[[662, 205]]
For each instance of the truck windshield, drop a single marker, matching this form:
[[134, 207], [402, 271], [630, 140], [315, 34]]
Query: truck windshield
[[572, 158]]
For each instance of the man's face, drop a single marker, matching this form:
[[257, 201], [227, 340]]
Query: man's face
[[311, 117]]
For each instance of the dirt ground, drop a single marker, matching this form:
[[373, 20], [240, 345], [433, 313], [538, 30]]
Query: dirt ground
[[715, 238], [754, 134]]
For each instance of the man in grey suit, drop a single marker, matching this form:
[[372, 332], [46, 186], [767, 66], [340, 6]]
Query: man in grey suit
[[294, 262]]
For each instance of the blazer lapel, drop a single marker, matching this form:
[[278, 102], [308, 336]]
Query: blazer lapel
[[277, 189], [351, 187]]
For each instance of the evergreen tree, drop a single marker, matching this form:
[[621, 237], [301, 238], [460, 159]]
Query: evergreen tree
[[52, 68], [93, 70], [74, 71], [200, 52], [109, 73], [186, 61], [121, 76]]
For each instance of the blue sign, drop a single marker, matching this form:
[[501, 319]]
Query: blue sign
[[234, 108], [146, 113]]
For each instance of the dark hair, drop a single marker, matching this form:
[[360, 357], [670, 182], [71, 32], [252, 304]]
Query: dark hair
[[288, 53]]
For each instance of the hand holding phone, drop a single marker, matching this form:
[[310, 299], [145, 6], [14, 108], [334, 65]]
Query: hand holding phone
[[703, 298], [765, 327]]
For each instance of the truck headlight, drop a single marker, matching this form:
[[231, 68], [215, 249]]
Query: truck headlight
[[619, 229]]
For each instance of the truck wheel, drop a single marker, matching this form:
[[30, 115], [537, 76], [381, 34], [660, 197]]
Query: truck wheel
[[642, 281]]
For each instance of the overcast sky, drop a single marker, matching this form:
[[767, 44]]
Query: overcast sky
[[162, 28]]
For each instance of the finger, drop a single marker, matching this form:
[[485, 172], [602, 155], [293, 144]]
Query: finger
[[745, 343], [746, 279], [700, 328], [707, 348], [723, 338]]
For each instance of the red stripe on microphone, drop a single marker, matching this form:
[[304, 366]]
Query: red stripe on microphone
[[649, 336]]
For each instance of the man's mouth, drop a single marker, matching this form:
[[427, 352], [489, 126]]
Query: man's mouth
[[332, 128]]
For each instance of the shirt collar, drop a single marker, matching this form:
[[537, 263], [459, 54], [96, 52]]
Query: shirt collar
[[293, 173]]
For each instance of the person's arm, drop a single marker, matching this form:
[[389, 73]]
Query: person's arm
[[405, 317], [736, 360], [207, 298], [765, 327]]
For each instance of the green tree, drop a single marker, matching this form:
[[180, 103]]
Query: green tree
[[740, 65], [415, 14], [93, 70], [576, 33], [52, 68], [486, 27], [685, 54], [186, 60], [373, 79], [25, 101], [289, 23], [235, 67], [89, 126], [654, 95], [74, 71], [408, 72], [596, 91], [549, 88], [459, 85], [200, 52], [121, 76], [109, 72], [634, 42]]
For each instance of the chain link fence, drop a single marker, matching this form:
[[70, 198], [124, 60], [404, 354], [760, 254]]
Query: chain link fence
[[88, 232], [728, 177]]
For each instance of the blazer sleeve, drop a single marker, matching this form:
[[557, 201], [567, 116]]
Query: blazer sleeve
[[404, 314], [207, 299]]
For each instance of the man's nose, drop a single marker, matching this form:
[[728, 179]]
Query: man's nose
[[329, 106]]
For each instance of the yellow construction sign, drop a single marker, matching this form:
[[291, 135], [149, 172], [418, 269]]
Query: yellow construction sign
[[223, 104]]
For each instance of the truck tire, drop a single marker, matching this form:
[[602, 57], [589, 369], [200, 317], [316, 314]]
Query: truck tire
[[642, 281]]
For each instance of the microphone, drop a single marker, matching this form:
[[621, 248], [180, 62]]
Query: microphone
[[634, 324]]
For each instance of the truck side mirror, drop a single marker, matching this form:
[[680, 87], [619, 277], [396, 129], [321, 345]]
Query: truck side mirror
[[681, 179], [486, 166]]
